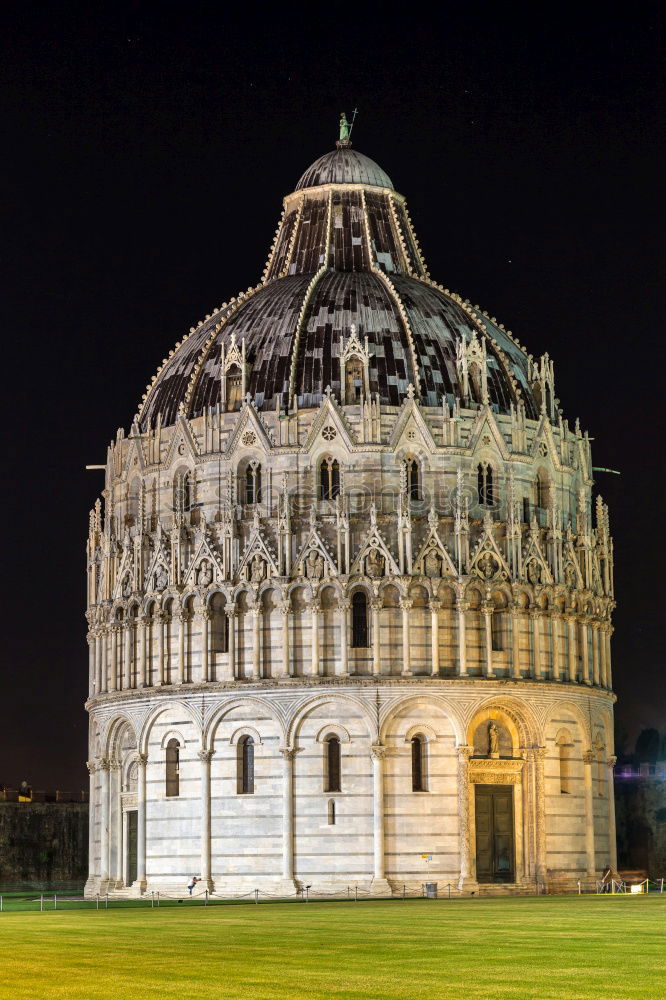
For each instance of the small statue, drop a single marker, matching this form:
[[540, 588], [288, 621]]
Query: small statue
[[374, 564], [433, 563], [205, 573], [161, 579], [314, 565], [258, 569], [534, 572], [127, 586], [569, 576], [487, 565], [493, 740], [344, 128]]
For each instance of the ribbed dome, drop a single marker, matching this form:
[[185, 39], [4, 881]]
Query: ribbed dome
[[344, 166], [343, 260]]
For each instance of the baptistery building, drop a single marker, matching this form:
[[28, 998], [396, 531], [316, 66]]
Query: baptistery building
[[349, 590]]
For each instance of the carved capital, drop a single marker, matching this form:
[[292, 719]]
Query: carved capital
[[92, 766], [611, 762], [205, 756], [435, 606], [376, 604], [406, 603], [286, 608], [589, 757], [288, 753], [141, 759], [487, 607], [344, 604], [314, 607], [462, 606], [103, 764], [230, 612], [540, 753], [204, 614], [378, 751], [464, 752]]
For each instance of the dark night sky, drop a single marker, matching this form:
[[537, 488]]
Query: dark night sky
[[145, 158]]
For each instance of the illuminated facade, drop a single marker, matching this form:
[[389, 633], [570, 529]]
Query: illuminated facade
[[349, 598]]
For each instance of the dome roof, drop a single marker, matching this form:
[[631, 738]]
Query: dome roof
[[344, 166], [344, 263]]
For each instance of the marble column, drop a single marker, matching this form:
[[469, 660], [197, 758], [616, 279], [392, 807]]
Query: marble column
[[612, 834], [128, 658], [182, 625], [406, 606], [286, 668], [535, 616], [595, 654], [539, 755], [113, 679], [378, 752], [205, 757], [92, 816], [99, 687], [573, 648], [601, 634], [464, 832], [487, 611], [585, 649], [589, 761], [91, 664], [159, 623], [515, 641], [204, 619], [104, 661], [142, 761], [461, 608], [116, 785], [375, 607], [345, 607], [256, 643], [315, 608], [104, 768], [231, 615], [608, 631], [143, 673], [288, 754], [435, 607], [555, 625]]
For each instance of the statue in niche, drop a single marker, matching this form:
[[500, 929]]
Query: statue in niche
[[161, 579], [493, 740], [570, 576], [374, 564], [433, 563], [258, 570], [205, 575], [127, 585], [486, 565], [534, 572], [314, 565]]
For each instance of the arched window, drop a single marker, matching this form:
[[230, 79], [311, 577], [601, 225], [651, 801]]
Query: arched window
[[246, 765], [172, 768], [234, 388], [565, 748], [353, 380], [497, 630], [332, 748], [359, 620], [413, 478], [182, 492], [331, 812], [542, 490], [485, 484], [253, 483], [419, 783], [526, 510], [329, 479]]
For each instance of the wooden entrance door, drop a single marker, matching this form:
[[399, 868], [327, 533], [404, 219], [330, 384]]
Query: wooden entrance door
[[494, 833], [132, 828]]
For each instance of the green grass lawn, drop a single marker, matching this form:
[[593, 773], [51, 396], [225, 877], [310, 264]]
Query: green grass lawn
[[573, 947]]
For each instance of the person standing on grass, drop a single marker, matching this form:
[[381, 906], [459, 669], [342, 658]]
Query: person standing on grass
[[191, 884]]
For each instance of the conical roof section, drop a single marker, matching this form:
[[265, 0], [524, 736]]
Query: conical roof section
[[345, 261]]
